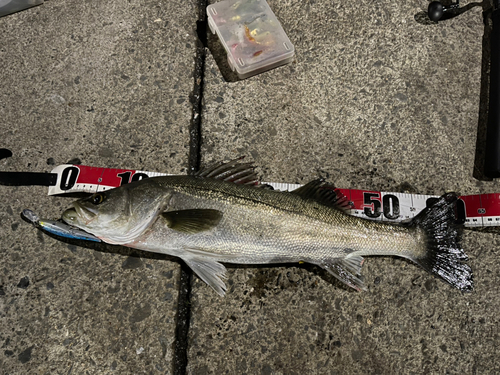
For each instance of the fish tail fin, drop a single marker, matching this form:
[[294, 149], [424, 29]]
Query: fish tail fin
[[443, 255]]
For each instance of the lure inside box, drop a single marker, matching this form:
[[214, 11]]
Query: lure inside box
[[251, 34]]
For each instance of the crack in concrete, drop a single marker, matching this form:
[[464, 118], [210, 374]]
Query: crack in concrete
[[183, 316]]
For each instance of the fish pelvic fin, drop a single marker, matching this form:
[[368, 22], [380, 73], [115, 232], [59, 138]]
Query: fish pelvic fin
[[443, 256], [347, 270], [209, 270]]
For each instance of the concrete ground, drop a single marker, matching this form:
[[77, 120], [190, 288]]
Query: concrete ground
[[376, 98]]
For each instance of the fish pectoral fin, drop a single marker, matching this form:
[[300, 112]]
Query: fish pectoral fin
[[209, 271], [346, 270], [192, 221]]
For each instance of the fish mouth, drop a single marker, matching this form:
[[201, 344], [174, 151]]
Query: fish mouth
[[77, 214]]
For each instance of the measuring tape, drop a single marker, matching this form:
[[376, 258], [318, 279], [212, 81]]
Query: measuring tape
[[475, 211]]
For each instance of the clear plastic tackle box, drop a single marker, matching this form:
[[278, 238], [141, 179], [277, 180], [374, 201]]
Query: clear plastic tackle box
[[251, 34]]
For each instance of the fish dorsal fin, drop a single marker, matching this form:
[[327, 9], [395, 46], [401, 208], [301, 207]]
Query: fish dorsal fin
[[232, 171], [324, 193], [192, 221]]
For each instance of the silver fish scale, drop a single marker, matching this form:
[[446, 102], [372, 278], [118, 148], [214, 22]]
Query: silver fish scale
[[265, 226]]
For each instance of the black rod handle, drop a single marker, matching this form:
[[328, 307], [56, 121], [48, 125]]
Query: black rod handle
[[492, 152]]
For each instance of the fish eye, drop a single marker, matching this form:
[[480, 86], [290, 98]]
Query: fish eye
[[97, 198]]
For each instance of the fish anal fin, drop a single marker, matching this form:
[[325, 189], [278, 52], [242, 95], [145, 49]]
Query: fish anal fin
[[353, 263], [192, 221], [346, 270], [209, 270], [324, 193]]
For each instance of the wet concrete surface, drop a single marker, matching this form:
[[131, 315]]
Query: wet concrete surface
[[376, 98]]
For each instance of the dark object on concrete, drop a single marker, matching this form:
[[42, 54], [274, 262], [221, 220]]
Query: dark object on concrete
[[24, 283], [4, 153], [25, 355], [436, 10], [27, 179], [492, 152]]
